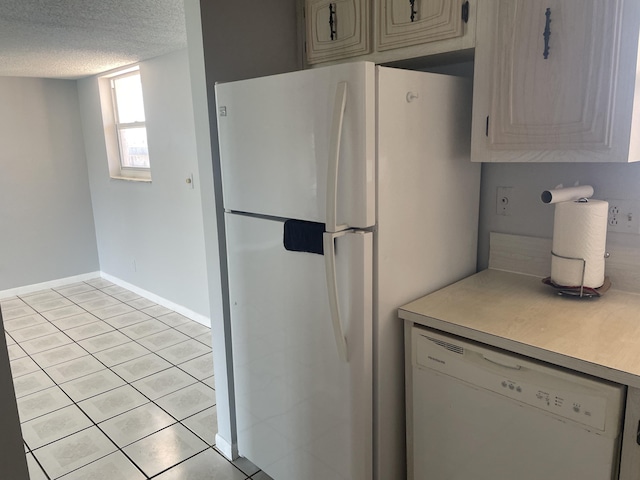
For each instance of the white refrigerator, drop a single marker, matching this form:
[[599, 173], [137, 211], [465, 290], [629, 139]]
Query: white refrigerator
[[348, 191]]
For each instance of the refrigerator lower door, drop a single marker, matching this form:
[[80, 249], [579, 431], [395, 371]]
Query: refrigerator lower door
[[287, 140], [302, 412]]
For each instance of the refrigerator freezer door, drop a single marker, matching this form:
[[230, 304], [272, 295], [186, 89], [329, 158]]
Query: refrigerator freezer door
[[277, 134], [302, 413]]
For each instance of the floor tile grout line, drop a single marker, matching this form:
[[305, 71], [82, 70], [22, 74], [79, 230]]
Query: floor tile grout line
[[58, 385], [44, 371], [118, 449], [171, 363], [40, 465], [127, 411], [139, 310], [179, 463], [108, 368], [231, 462], [97, 424], [74, 403], [43, 368], [19, 318], [106, 318], [48, 350], [177, 365], [121, 449], [31, 326], [115, 329]]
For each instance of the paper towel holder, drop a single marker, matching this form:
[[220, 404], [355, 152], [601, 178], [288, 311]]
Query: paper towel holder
[[593, 292], [584, 267]]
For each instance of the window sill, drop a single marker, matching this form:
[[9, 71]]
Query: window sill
[[130, 179]]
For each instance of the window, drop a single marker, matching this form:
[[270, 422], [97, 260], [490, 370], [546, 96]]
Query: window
[[125, 128]]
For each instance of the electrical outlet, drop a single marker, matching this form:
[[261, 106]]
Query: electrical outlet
[[504, 200], [623, 216]]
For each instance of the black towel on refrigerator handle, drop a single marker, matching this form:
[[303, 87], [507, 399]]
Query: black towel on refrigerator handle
[[303, 236]]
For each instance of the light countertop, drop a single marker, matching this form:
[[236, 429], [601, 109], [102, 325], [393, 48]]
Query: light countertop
[[599, 336]]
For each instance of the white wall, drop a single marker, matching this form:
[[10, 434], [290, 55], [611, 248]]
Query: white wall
[[46, 221], [150, 234], [229, 41], [224, 436], [533, 218]]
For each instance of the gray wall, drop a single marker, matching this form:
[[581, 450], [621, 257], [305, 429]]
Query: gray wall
[[533, 218], [230, 41], [45, 206], [249, 39], [150, 234], [209, 221]]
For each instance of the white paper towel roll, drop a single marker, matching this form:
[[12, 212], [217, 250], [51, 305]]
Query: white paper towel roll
[[579, 231]]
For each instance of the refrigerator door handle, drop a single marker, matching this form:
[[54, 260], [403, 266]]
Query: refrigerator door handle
[[335, 138], [332, 287]]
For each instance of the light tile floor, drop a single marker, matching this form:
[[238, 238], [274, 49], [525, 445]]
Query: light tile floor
[[112, 386]]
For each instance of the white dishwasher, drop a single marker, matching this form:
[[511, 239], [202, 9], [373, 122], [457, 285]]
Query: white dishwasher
[[478, 413]]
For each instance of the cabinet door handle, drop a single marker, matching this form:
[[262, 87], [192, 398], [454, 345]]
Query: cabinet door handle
[[547, 33], [332, 21], [413, 10]]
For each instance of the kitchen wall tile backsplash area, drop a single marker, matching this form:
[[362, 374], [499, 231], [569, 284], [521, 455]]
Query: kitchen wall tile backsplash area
[[529, 216]]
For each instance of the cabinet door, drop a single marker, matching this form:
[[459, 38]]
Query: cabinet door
[[404, 22], [336, 29], [553, 74]]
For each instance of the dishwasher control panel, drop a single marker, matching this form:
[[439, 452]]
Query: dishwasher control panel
[[578, 406], [571, 396]]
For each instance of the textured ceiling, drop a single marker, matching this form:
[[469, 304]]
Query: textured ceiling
[[77, 38]]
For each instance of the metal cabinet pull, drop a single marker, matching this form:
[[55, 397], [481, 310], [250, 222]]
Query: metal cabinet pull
[[332, 21], [547, 33], [413, 10]]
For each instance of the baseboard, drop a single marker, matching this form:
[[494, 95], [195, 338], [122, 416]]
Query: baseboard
[[225, 448], [202, 319], [26, 289]]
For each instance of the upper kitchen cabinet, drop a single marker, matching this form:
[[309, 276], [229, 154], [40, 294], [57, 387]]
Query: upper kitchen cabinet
[[403, 23], [336, 29], [555, 81], [346, 30]]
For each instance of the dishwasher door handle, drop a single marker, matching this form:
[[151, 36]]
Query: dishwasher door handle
[[502, 363]]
